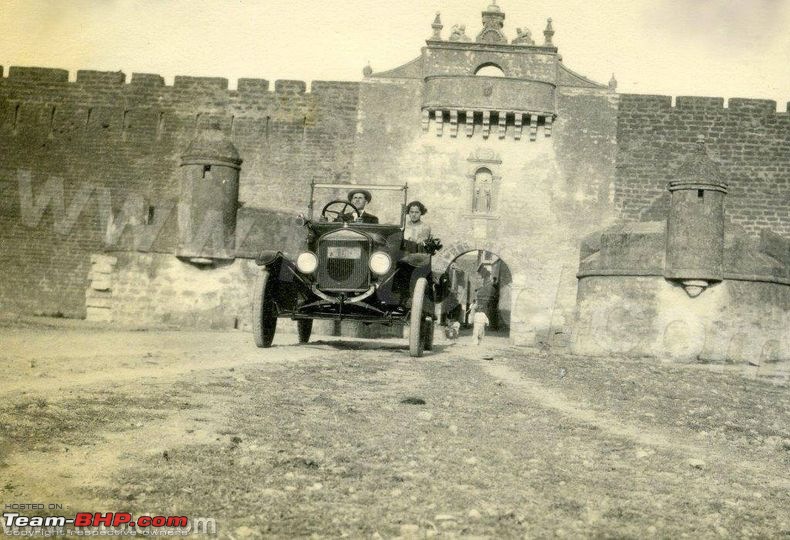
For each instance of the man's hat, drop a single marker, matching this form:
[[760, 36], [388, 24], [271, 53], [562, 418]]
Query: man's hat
[[364, 192]]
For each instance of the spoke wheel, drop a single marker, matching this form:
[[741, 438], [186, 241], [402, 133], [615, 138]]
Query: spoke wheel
[[416, 328], [305, 327], [264, 312]]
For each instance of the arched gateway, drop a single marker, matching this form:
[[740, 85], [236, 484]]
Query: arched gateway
[[478, 280]]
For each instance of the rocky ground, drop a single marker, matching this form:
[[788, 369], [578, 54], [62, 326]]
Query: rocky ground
[[355, 438]]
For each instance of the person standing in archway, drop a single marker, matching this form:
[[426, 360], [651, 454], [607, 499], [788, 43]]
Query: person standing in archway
[[480, 321]]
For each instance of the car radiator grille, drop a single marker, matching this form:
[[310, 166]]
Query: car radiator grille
[[344, 266]]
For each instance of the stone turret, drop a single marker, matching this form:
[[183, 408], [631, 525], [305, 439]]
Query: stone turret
[[695, 227], [209, 198]]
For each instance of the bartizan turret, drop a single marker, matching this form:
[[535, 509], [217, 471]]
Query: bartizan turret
[[695, 227], [209, 198]]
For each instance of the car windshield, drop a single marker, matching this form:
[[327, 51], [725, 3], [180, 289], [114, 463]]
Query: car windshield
[[385, 204]]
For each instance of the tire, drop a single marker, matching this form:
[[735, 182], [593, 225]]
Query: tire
[[264, 312], [416, 328], [428, 334], [305, 327]]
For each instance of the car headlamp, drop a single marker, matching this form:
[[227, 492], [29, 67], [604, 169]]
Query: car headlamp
[[307, 262], [380, 263]]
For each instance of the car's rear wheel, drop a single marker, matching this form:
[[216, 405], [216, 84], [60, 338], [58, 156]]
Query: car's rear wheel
[[305, 327], [416, 328], [264, 312]]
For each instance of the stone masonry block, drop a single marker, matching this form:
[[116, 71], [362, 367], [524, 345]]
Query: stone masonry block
[[760, 106], [92, 78], [323, 87], [102, 282], [643, 101], [252, 85], [147, 79], [92, 293], [36, 74], [697, 102], [105, 303], [290, 87], [98, 314], [200, 83], [107, 259]]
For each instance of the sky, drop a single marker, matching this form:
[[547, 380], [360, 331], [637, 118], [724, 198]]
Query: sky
[[725, 48]]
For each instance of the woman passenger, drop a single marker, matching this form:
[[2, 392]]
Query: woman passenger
[[416, 231]]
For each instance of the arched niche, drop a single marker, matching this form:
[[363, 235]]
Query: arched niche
[[489, 69]]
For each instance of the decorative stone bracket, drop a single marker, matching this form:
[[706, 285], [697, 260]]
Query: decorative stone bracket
[[482, 120]]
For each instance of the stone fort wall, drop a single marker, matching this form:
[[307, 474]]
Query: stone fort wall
[[89, 147], [99, 142], [748, 139]]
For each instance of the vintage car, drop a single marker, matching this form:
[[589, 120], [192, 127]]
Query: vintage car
[[352, 270]]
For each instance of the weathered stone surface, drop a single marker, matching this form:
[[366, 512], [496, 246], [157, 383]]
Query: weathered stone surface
[[98, 314], [109, 152]]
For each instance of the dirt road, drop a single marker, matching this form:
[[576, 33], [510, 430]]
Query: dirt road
[[355, 438]]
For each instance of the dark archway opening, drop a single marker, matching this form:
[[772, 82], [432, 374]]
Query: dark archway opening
[[478, 280]]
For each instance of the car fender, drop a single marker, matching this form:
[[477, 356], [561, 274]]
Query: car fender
[[268, 257], [288, 284]]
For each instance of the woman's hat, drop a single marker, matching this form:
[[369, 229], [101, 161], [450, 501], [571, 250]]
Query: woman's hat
[[419, 205], [364, 192]]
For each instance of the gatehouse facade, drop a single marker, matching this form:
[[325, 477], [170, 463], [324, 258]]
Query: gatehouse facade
[[514, 153]]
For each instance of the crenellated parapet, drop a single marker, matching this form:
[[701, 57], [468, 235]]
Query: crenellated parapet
[[37, 75], [748, 138], [100, 78], [44, 101], [646, 102], [38, 78]]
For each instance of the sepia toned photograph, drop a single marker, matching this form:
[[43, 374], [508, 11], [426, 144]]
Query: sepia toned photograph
[[495, 269]]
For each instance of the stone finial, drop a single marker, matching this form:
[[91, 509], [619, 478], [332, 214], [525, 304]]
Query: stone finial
[[523, 37], [548, 33], [613, 84], [367, 71], [437, 27], [493, 21], [458, 33]]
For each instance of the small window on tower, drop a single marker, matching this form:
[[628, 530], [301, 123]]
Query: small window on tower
[[700, 193], [207, 171]]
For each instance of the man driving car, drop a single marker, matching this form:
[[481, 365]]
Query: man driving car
[[359, 198]]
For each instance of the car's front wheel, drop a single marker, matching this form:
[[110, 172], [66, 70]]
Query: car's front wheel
[[264, 312], [417, 326]]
